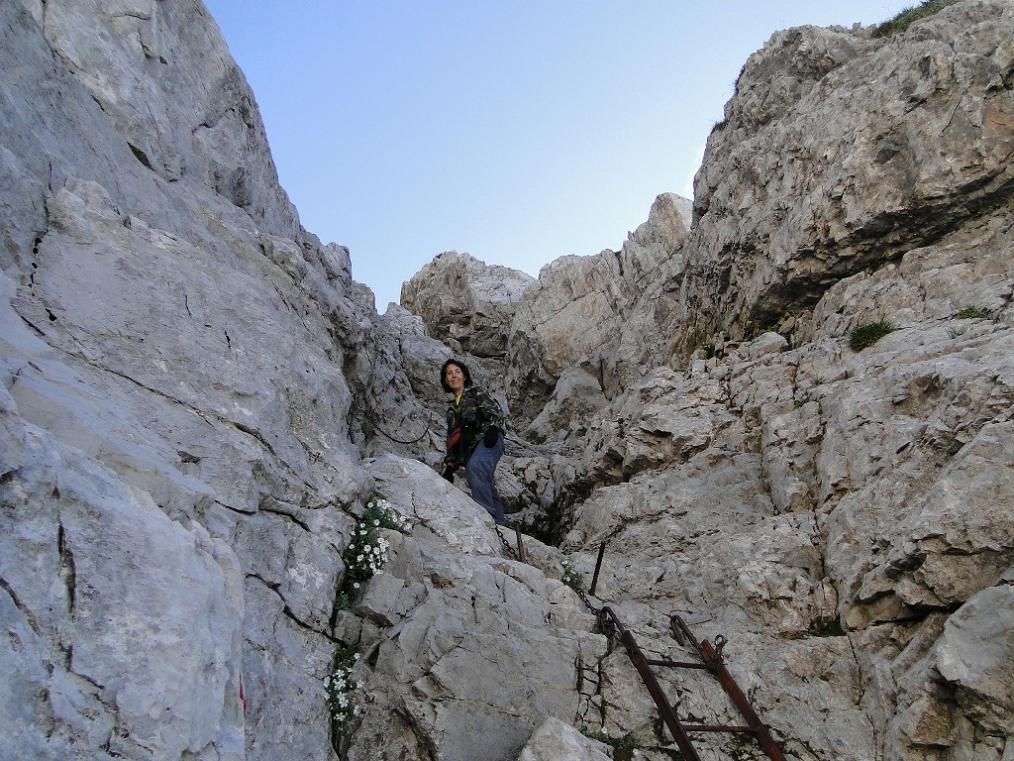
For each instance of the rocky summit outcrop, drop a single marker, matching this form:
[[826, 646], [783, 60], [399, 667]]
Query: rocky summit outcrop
[[465, 303], [200, 408], [596, 310]]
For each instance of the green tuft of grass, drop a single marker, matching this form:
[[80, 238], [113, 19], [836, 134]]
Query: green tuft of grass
[[972, 313], [868, 334], [909, 16]]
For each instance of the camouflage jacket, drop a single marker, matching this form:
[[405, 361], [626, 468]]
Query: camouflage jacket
[[468, 419]]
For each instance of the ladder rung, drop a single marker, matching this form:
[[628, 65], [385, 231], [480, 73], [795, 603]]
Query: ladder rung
[[678, 664], [718, 728]]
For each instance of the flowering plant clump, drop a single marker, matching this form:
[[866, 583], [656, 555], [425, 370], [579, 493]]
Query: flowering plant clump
[[343, 692], [571, 576], [366, 554]]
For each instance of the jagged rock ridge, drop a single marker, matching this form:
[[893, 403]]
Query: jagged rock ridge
[[198, 400]]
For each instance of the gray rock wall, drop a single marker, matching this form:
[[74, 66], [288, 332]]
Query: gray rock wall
[[177, 461], [197, 400]]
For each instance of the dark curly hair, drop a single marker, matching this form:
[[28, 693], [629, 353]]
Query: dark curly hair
[[464, 371]]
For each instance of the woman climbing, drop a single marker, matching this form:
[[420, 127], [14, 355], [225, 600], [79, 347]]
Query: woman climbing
[[474, 436]]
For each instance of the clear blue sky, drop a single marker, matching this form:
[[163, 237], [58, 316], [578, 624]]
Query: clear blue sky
[[518, 130]]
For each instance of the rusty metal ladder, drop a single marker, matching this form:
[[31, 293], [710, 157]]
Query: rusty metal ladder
[[711, 660]]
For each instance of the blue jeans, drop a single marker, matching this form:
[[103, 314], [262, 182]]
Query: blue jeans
[[479, 473]]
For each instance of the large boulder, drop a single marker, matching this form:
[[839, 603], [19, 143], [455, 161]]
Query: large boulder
[[466, 303], [556, 741]]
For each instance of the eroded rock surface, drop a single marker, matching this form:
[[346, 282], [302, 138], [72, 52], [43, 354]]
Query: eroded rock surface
[[177, 466], [198, 400]]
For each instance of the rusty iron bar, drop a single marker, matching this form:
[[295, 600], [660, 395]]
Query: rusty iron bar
[[654, 689], [598, 565], [736, 695], [521, 546], [681, 632], [730, 728], [712, 658], [679, 664]]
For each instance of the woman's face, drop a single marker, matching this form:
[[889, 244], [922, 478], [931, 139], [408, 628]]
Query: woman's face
[[455, 378]]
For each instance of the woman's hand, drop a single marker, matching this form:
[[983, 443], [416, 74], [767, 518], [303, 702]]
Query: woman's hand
[[489, 440]]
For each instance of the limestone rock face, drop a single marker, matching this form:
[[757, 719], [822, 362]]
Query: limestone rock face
[[465, 651], [883, 145], [197, 401], [884, 456], [398, 403], [95, 615], [163, 75], [841, 501], [843, 516], [176, 461]]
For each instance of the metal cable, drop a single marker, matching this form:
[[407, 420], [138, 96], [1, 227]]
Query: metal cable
[[399, 441]]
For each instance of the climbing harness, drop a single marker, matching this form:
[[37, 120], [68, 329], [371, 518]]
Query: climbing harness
[[710, 660]]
